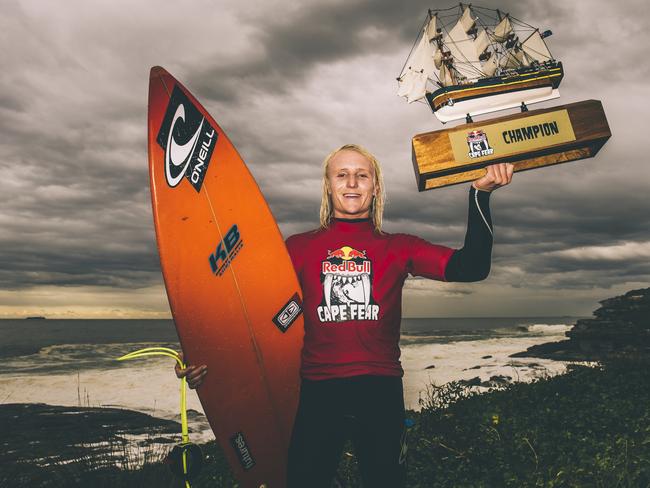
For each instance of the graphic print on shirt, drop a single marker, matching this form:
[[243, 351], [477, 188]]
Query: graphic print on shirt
[[346, 275]]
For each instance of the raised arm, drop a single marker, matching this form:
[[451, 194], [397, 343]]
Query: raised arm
[[472, 262]]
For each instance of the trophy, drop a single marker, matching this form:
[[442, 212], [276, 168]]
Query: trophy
[[468, 61]]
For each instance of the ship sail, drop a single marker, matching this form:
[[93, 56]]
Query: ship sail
[[536, 48], [405, 83], [418, 88], [462, 50], [419, 67], [432, 28], [466, 20], [446, 78], [502, 30], [437, 58], [513, 59], [423, 60], [522, 58], [490, 67], [482, 42]]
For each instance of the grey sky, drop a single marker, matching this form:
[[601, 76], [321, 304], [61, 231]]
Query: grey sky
[[288, 82]]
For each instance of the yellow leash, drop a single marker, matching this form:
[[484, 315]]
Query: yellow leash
[[185, 444]]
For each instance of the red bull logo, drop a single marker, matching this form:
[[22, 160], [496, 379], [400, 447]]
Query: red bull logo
[[349, 267], [347, 287], [337, 253], [346, 253], [356, 254], [478, 144], [475, 136]]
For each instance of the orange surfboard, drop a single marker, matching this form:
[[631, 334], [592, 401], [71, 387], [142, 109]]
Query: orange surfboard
[[232, 289]]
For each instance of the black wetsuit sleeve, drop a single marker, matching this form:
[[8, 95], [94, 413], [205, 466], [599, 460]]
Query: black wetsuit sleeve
[[472, 261]]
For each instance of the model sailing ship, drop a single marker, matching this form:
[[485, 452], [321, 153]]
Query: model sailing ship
[[469, 60]]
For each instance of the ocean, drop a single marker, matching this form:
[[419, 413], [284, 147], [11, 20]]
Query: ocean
[[73, 362]]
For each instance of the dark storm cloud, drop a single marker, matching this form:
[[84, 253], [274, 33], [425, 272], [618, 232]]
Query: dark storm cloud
[[74, 198], [288, 82], [284, 48], [80, 238]]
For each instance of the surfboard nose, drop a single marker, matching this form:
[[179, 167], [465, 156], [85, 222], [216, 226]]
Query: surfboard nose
[[157, 71]]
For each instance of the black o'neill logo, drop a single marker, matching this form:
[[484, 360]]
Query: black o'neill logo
[[188, 140]]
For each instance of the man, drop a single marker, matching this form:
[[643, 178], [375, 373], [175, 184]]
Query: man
[[352, 275]]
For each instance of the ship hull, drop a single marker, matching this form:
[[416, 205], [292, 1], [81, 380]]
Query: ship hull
[[495, 94]]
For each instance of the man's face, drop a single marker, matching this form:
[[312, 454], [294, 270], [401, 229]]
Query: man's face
[[352, 184]]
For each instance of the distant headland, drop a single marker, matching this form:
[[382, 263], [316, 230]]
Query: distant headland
[[619, 329]]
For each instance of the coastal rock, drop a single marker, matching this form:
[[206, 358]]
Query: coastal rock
[[47, 435], [620, 329], [193, 414], [497, 381], [476, 381]]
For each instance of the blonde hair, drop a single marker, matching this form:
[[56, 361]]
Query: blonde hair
[[377, 204]]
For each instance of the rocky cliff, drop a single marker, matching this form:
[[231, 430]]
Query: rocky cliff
[[620, 328]]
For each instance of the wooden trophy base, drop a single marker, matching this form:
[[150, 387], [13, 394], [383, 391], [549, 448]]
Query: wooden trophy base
[[529, 140]]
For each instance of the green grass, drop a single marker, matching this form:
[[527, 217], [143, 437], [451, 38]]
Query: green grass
[[587, 428]]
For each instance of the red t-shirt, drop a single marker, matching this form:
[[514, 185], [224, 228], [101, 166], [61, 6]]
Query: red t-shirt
[[352, 279]]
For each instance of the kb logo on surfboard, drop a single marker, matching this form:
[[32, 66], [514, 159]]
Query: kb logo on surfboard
[[226, 251], [188, 140]]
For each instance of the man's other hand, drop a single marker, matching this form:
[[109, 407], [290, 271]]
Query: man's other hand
[[193, 374]]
